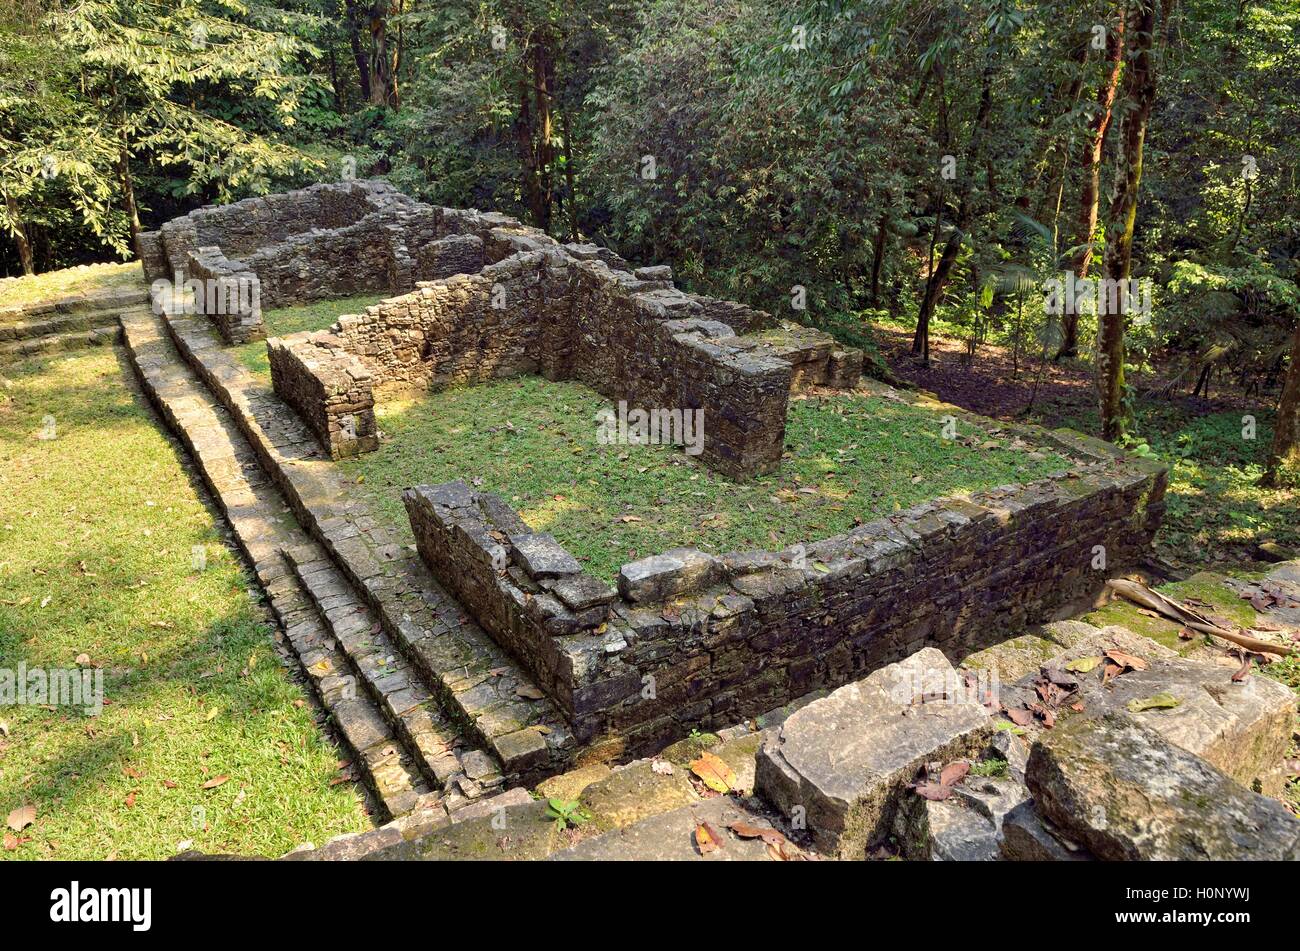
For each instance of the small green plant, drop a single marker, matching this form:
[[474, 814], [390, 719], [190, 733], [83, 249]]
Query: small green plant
[[991, 768], [566, 813]]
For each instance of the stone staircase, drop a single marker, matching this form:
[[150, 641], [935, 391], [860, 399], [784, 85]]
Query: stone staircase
[[68, 324]]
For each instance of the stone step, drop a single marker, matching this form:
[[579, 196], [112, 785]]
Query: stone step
[[478, 685], [114, 300], [375, 664], [46, 325], [262, 525], [12, 351]]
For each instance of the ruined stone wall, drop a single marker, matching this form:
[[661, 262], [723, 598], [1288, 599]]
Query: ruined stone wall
[[228, 295], [694, 640], [572, 312], [330, 390]]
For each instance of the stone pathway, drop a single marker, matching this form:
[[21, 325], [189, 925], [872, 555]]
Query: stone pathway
[[263, 526], [478, 685]]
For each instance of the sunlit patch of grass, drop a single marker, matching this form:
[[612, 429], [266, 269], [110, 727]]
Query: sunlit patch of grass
[[70, 282], [1215, 506], [290, 320], [98, 527], [849, 458]]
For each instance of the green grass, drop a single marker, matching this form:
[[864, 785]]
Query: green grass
[[1216, 509], [290, 320], [70, 282], [97, 527], [848, 459]]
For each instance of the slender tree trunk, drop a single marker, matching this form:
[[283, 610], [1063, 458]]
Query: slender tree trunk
[[1090, 157], [358, 51], [1140, 91], [933, 291], [1284, 456], [544, 131], [878, 258], [569, 176], [128, 198], [20, 236]]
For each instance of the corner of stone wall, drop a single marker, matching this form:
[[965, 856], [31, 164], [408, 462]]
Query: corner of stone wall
[[329, 388]]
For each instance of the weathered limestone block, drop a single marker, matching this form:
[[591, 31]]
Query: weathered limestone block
[[673, 573], [844, 761], [1028, 837], [1244, 728], [1127, 794], [539, 554]]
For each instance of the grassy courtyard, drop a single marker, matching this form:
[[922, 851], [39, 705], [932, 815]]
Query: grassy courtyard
[[204, 740], [849, 459], [53, 285], [290, 320]]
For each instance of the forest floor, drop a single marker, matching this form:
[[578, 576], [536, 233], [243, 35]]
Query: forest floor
[[1217, 512]]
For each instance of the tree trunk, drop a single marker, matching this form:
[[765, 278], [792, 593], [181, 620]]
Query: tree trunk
[[1140, 91], [20, 237], [933, 291], [128, 197], [383, 92], [1090, 157], [544, 131], [1284, 456], [358, 52], [878, 258]]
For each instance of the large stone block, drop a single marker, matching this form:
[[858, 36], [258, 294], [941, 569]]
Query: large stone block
[[1126, 793], [841, 763]]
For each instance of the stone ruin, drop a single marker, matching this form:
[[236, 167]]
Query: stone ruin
[[828, 649], [685, 637]]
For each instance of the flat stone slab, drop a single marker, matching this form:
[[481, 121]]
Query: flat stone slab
[[840, 764], [506, 832], [659, 577], [1127, 794], [539, 554], [634, 793], [670, 837], [1241, 728]]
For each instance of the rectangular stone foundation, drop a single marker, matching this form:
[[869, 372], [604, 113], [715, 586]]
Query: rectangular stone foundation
[[697, 641]]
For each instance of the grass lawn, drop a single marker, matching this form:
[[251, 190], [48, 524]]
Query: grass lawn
[[69, 282], [97, 531], [290, 320], [1217, 510], [849, 459]]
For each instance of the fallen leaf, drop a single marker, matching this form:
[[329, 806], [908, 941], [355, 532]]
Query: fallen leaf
[[215, 781], [954, 773], [1161, 701], [935, 792], [1186, 634], [714, 772], [130, 799], [1083, 665], [22, 817], [706, 840], [662, 767], [1126, 661], [747, 830], [529, 692], [1244, 672], [11, 842], [1020, 717]]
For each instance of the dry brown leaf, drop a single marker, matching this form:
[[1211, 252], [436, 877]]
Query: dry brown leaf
[[747, 830], [935, 792], [706, 840], [1126, 661], [529, 692], [22, 817], [215, 781], [954, 773], [714, 772]]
